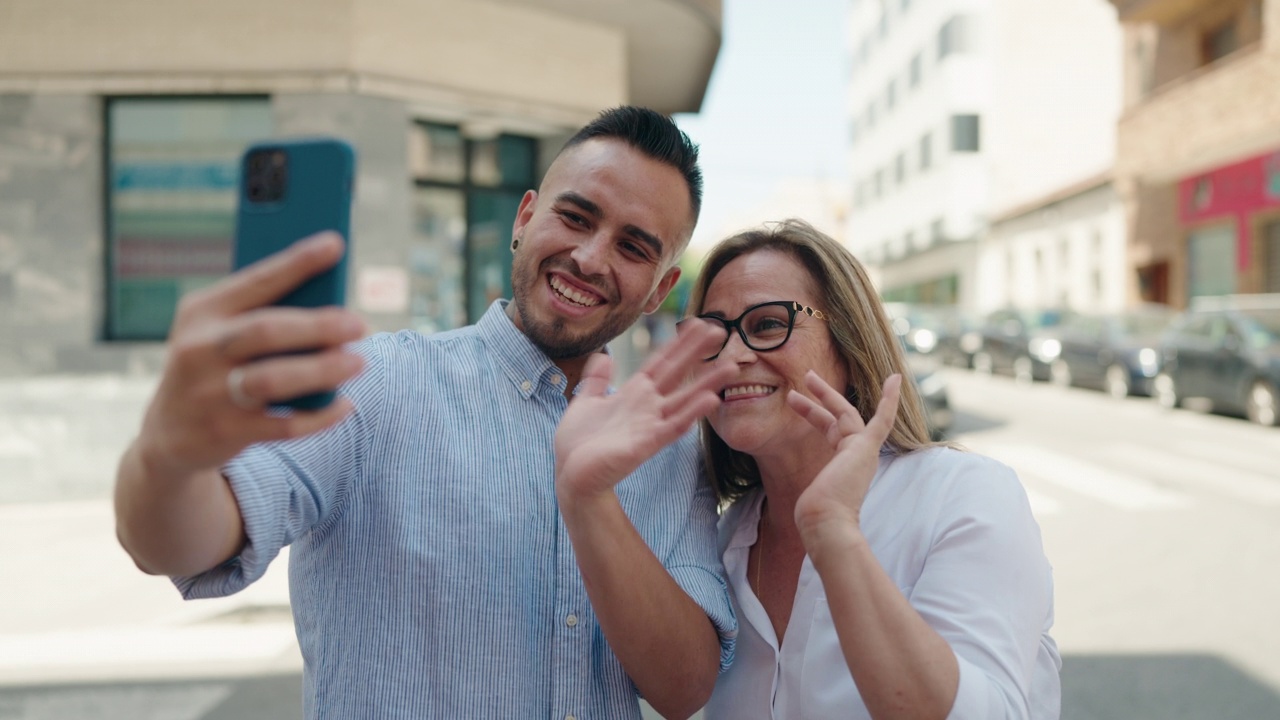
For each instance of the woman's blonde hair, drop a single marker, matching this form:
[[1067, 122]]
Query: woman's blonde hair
[[864, 340]]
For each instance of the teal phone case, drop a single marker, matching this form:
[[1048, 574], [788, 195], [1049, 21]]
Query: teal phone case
[[316, 196]]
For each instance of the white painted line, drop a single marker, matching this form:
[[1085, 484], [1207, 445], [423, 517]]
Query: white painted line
[[1211, 477], [1085, 478], [139, 645], [1236, 456]]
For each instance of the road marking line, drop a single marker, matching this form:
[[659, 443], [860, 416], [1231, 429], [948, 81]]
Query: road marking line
[[1234, 457], [137, 645], [1085, 478], [1211, 477]]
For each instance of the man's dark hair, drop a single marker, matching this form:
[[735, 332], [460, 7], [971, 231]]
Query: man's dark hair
[[653, 134]]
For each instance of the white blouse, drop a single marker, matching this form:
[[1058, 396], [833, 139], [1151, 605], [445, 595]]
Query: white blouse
[[954, 530]]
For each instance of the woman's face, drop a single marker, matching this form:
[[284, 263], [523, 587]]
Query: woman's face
[[754, 417]]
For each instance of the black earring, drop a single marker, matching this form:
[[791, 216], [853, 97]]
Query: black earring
[[515, 242]]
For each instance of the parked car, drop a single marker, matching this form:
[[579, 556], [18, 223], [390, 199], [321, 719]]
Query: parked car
[[932, 384], [1225, 351], [1018, 343], [1115, 352], [934, 330]]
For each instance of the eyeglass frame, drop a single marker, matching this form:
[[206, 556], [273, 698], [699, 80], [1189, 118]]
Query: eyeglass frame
[[792, 308]]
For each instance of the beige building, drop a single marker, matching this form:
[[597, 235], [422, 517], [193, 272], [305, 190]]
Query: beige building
[[1198, 148], [121, 126]]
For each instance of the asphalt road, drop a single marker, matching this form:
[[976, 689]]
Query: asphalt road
[[1163, 529]]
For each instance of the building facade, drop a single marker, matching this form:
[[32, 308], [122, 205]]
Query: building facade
[[963, 111], [121, 127], [1066, 250], [1198, 153]]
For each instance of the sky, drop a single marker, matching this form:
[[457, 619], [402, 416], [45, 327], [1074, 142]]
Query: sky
[[774, 108]]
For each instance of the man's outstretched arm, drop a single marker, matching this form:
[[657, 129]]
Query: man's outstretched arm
[[175, 512]]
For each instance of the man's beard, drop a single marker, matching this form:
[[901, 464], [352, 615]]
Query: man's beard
[[555, 338]]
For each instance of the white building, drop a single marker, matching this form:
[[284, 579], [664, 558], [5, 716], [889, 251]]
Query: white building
[[963, 111], [1064, 250]]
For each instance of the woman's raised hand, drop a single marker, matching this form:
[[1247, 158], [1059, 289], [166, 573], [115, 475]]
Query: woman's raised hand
[[602, 438], [834, 499]]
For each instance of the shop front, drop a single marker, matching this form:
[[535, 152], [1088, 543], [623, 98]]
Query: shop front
[[1231, 216]]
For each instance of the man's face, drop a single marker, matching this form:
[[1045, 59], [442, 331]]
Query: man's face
[[597, 246]]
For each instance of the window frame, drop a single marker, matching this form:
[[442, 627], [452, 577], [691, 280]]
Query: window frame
[[109, 251]]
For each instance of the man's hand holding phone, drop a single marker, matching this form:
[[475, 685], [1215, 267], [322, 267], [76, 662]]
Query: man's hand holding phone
[[232, 354]]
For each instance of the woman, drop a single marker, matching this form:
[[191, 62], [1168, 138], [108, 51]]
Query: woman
[[874, 574]]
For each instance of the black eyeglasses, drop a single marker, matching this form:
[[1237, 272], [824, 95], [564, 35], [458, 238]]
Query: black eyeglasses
[[764, 327]]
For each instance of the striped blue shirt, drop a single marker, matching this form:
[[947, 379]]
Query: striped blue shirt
[[430, 572]]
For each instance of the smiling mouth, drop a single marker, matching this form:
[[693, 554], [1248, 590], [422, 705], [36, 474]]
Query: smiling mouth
[[570, 295], [740, 390]]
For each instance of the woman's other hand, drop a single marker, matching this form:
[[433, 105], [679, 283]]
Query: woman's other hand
[[833, 500]]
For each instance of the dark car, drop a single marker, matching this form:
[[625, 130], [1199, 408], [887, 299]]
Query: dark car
[[938, 331], [1116, 352], [1013, 342], [1225, 351], [932, 384]]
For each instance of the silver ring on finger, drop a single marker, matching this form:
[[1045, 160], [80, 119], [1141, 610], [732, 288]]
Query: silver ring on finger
[[235, 388]]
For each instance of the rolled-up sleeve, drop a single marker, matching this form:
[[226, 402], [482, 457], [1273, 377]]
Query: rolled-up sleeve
[[710, 592], [286, 489], [693, 560]]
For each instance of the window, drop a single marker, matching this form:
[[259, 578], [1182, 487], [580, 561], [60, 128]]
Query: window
[[1219, 42], [466, 195], [936, 231], [871, 115], [172, 169], [891, 96], [926, 151], [966, 133], [956, 36], [879, 184], [853, 131], [900, 168], [916, 71]]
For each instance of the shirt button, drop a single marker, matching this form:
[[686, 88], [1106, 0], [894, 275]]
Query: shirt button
[[570, 717], [556, 379], [526, 386], [571, 621]]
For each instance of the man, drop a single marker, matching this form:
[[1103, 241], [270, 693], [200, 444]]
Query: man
[[439, 565]]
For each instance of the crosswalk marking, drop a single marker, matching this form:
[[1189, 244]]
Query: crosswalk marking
[[1213, 477], [1237, 456], [1085, 478]]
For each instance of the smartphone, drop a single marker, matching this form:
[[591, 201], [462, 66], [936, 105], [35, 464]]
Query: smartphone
[[289, 190]]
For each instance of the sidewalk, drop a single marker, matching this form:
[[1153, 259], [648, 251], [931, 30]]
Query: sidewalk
[[74, 608], [77, 610]]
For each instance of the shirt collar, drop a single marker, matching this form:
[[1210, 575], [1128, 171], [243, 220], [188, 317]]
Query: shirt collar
[[746, 524], [524, 364], [521, 361]]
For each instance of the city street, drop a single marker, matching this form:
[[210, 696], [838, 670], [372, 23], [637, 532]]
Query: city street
[[1162, 528]]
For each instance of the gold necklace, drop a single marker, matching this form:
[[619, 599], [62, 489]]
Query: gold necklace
[[764, 522]]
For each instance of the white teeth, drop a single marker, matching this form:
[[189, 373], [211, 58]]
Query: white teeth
[[747, 390], [573, 295]]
